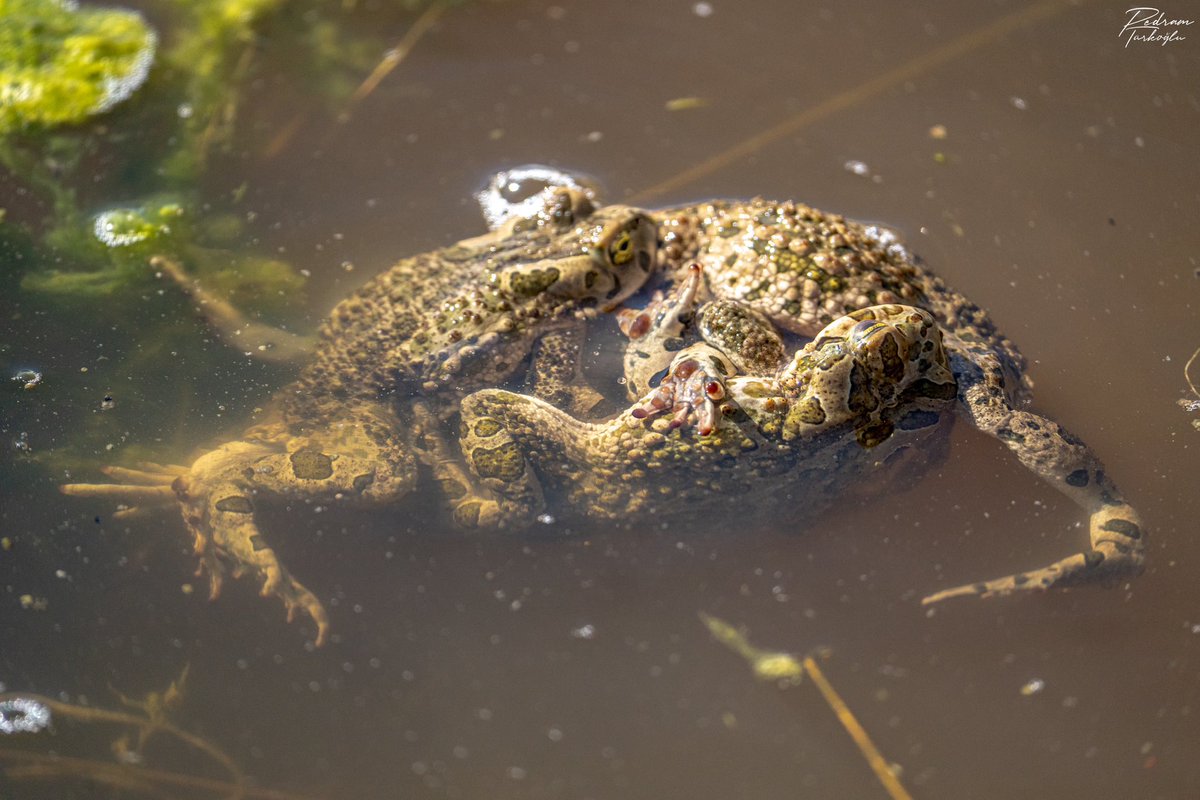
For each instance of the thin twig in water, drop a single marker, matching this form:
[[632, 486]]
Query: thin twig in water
[[40, 765], [1187, 370], [146, 727], [392, 58], [881, 768], [864, 91], [784, 670]]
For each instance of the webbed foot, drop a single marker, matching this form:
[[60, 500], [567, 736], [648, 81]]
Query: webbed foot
[[142, 489]]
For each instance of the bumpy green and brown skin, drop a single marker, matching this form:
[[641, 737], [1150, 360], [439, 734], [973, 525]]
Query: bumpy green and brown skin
[[802, 268], [827, 421], [391, 364]]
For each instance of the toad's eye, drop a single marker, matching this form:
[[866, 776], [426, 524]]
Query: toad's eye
[[620, 251]]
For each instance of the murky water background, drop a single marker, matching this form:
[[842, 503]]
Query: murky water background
[[546, 665]]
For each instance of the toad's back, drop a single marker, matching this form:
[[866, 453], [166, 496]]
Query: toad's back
[[803, 268], [464, 316]]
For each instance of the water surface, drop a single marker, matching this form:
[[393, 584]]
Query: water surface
[[1062, 199]]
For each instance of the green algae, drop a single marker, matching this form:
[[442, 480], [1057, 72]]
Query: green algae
[[60, 64]]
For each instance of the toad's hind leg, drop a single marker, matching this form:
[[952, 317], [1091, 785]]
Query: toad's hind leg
[[360, 459], [497, 429], [556, 370], [472, 504], [1117, 540]]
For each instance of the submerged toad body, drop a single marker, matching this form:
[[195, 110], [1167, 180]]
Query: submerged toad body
[[894, 351], [812, 274], [803, 268], [870, 386], [390, 366]]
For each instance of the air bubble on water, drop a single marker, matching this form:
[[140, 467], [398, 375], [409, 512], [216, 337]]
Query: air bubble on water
[[889, 240], [502, 199], [546, 519], [114, 229], [23, 715], [584, 632], [119, 89]]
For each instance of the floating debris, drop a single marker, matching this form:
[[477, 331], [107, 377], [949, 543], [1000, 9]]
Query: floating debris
[[584, 632], [768, 665], [1191, 405], [774, 666], [857, 167], [29, 379], [1033, 687], [23, 715], [937, 132], [860, 168], [685, 103]]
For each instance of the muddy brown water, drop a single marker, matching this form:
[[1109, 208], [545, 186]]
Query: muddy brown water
[[574, 666]]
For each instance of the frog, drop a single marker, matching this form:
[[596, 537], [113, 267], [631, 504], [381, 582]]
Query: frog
[[801, 269], [874, 386], [870, 389], [391, 363]]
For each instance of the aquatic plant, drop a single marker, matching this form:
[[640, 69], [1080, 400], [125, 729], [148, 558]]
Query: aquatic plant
[[147, 719], [61, 64]]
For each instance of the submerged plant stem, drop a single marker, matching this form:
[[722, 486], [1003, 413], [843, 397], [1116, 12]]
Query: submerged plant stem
[[785, 670], [1187, 372], [937, 57], [40, 765], [874, 758], [393, 58], [146, 726]]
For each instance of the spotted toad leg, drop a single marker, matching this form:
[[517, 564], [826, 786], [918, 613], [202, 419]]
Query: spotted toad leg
[[472, 504], [1117, 540], [499, 431], [556, 369]]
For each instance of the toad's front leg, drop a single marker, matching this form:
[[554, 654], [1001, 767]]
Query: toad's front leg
[[1118, 541]]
